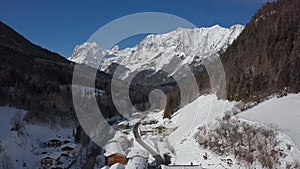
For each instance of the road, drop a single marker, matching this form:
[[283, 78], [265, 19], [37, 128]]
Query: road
[[159, 160]]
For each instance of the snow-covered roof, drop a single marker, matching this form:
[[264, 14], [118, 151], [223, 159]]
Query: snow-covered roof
[[113, 147], [137, 163], [53, 155], [72, 145], [146, 128], [123, 123], [138, 153], [182, 167], [167, 126], [117, 166], [52, 140]]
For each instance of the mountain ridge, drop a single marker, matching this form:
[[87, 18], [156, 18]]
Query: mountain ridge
[[156, 51]]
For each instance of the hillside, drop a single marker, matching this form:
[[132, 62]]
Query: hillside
[[202, 136], [39, 81], [265, 59]]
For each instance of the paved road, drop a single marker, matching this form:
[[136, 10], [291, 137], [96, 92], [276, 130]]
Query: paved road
[[159, 160]]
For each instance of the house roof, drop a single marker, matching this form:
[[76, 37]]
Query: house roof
[[137, 163], [123, 123], [52, 140], [165, 125], [53, 155], [113, 147], [138, 153], [117, 166], [146, 128], [69, 145]]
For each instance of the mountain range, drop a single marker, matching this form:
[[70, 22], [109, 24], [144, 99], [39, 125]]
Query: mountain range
[[160, 51]]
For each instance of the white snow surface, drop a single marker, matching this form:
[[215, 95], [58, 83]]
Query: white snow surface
[[202, 110], [205, 109], [156, 51], [282, 113]]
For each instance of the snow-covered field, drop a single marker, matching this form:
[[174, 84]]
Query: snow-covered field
[[202, 110], [282, 113]]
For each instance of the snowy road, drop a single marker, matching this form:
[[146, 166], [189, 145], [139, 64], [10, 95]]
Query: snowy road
[[159, 160]]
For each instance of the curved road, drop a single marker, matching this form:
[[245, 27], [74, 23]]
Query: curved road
[[159, 160]]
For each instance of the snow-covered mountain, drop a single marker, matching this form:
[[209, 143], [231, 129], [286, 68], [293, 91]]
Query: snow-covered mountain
[[159, 50]]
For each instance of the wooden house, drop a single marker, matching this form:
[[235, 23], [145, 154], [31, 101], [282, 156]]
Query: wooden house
[[51, 160], [114, 154]]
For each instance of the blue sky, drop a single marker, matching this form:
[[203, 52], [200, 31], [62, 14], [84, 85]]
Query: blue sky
[[60, 25]]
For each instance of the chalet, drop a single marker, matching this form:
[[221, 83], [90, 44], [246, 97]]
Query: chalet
[[53, 143], [153, 121], [69, 150], [123, 125], [51, 160], [138, 159], [144, 130], [137, 115], [114, 153], [149, 122], [163, 130]]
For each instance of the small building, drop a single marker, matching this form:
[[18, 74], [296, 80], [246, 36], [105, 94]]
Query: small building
[[137, 115], [123, 125], [144, 130], [69, 150], [51, 160], [53, 143], [153, 121], [114, 153], [162, 130], [138, 159], [137, 153]]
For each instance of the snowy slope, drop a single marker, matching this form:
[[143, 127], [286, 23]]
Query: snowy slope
[[202, 110], [185, 150], [283, 113], [157, 51]]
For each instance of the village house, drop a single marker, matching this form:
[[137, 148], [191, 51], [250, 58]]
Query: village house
[[144, 130], [163, 130], [53, 143], [114, 153], [137, 115], [117, 166], [69, 150], [51, 160], [149, 122], [123, 125], [138, 159]]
